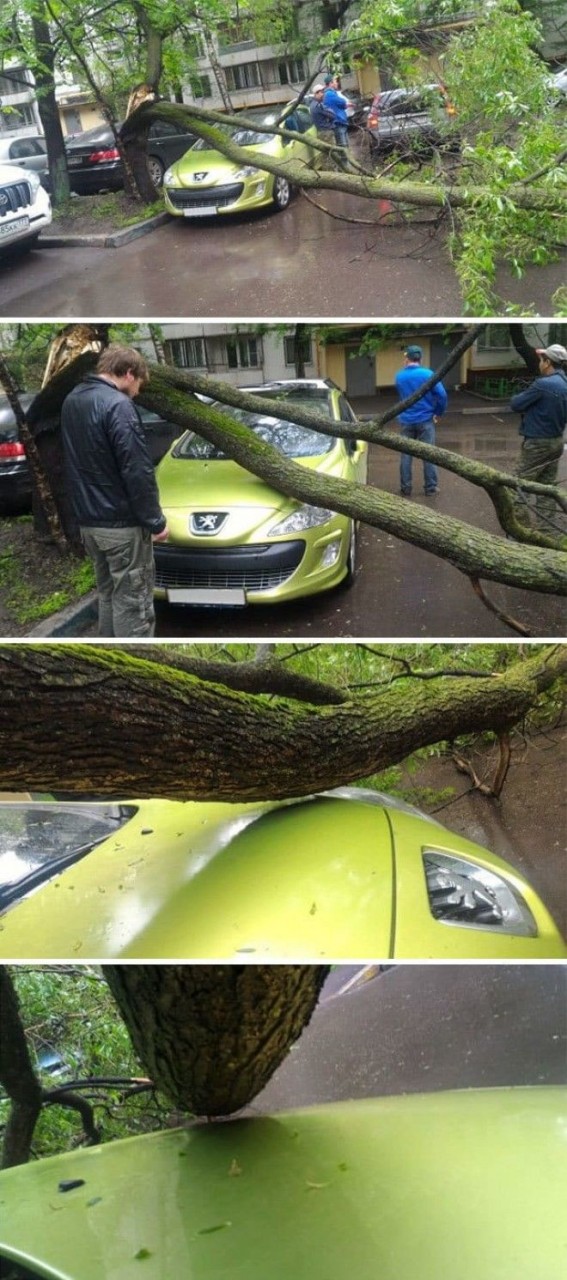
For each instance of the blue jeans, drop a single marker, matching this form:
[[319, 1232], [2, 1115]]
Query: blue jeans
[[341, 135], [424, 431]]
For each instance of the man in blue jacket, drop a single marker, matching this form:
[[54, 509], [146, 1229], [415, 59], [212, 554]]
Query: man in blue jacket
[[418, 422], [543, 407], [337, 103], [114, 491]]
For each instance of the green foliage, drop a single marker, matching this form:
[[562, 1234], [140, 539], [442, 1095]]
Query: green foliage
[[25, 598], [70, 1011]]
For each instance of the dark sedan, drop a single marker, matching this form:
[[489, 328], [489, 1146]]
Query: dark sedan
[[94, 163], [15, 479]]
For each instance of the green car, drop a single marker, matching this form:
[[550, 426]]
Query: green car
[[204, 182], [233, 540], [347, 874], [469, 1185]]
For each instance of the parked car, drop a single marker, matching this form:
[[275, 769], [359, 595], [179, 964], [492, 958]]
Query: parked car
[[15, 483], [25, 208], [94, 163], [233, 538], [15, 479], [206, 183], [27, 152], [410, 118], [347, 873]]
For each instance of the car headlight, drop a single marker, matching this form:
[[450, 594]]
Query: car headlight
[[305, 517], [171, 178], [461, 892], [247, 171], [34, 181]]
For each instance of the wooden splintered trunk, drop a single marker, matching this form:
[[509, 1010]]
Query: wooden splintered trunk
[[211, 1036]]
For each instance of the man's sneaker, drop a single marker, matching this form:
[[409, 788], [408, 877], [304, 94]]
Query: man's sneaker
[[430, 493], [405, 493]]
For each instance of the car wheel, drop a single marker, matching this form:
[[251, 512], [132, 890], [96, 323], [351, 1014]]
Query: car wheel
[[156, 171], [282, 192]]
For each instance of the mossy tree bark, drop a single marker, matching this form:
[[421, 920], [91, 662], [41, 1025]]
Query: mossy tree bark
[[85, 718], [210, 1036]]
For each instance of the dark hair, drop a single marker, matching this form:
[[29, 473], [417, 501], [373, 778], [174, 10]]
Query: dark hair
[[121, 360]]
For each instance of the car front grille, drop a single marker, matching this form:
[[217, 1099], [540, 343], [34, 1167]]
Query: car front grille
[[220, 197], [260, 568], [16, 196]]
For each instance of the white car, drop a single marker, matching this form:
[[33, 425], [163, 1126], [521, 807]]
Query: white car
[[25, 207]]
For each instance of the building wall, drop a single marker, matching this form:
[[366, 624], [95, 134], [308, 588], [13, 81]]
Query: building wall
[[270, 346]]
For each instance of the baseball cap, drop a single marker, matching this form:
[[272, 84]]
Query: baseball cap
[[414, 353], [556, 353], [318, 88], [328, 79]]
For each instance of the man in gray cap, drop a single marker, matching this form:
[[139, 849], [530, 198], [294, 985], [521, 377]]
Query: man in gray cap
[[543, 407]]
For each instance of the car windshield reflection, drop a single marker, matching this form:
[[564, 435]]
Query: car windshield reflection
[[288, 438], [36, 840]]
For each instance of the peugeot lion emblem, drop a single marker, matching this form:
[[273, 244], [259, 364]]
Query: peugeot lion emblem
[[200, 177], [207, 523]]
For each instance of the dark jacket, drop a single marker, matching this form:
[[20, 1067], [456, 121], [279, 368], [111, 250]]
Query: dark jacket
[[111, 477], [543, 407], [321, 116]]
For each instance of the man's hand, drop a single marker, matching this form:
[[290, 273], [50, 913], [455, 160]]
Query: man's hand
[[161, 537]]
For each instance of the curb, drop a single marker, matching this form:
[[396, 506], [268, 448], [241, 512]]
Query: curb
[[113, 241], [66, 622]]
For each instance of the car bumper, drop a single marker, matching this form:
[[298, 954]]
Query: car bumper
[[99, 178], [265, 573], [15, 484], [236, 197], [27, 224]]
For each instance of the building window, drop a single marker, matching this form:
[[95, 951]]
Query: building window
[[188, 353], [494, 338], [304, 349], [245, 76], [243, 353], [292, 71], [13, 118], [200, 85]]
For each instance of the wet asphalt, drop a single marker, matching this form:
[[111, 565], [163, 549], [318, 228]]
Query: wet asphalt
[[300, 263], [422, 1028], [400, 590]]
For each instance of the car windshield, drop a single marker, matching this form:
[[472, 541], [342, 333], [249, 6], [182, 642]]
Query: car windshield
[[288, 438], [316, 398], [244, 137], [37, 839]]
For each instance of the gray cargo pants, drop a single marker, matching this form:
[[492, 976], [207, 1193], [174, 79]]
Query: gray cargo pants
[[539, 460], [124, 569]]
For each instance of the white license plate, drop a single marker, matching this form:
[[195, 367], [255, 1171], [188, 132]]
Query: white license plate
[[73, 162], [200, 211], [12, 228], [232, 596]]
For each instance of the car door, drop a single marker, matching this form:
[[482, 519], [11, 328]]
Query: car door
[[28, 153]]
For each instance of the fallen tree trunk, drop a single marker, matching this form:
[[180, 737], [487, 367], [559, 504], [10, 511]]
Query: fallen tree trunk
[[87, 718], [211, 1036]]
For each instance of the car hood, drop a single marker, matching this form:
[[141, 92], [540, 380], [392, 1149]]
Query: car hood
[[189, 879], [466, 1184], [211, 161], [189, 483], [13, 173]]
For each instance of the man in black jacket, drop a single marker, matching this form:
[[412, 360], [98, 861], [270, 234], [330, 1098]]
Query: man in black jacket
[[543, 406], [114, 490]]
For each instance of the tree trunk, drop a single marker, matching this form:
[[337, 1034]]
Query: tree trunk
[[87, 718], [210, 1036], [39, 475], [17, 1077], [522, 346], [44, 72]]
